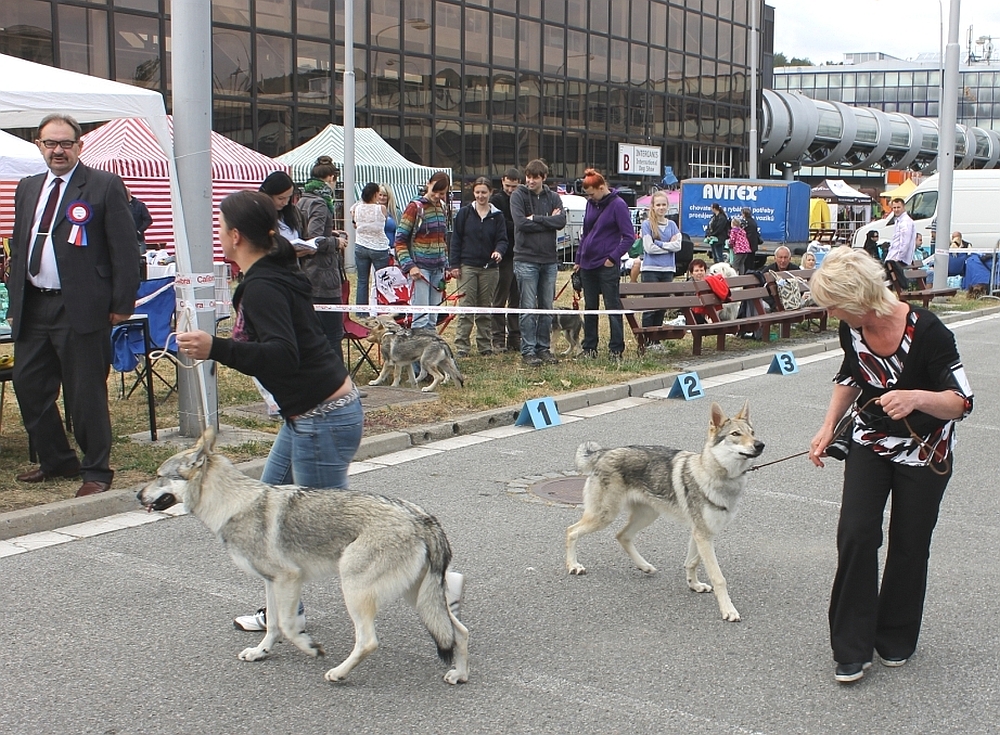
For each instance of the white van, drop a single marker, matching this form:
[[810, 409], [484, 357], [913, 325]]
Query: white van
[[975, 210]]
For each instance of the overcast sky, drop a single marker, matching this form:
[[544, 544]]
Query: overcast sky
[[824, 30]]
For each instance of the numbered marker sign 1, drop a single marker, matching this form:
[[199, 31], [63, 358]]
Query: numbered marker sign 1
[[540, 413], [686, 386], [783, 363]]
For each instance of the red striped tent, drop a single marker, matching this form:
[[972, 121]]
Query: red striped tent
[[128, 148]]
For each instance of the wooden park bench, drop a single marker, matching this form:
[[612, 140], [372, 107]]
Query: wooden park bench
[[803, 313], [685, 296], [679, 296], [746, 290], [918, 289]]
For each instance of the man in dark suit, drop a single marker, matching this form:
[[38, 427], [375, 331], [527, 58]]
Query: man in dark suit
[[74, 273]]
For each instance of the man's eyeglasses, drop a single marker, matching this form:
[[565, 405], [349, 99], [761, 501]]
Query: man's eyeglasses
[[53, 144]]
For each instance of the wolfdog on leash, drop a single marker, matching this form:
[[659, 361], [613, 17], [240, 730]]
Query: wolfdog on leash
[[701, 490], [380, 547], [401, 348], [570, 324]]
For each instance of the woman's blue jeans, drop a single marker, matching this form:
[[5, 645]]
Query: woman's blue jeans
[[366, 261], [426, 293], [316, 451]]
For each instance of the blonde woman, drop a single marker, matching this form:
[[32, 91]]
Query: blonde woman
[[388, 200], [903, 379], [661, 241], [808, 261]]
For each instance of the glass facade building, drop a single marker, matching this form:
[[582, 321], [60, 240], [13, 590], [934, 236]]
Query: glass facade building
[[475, 85]]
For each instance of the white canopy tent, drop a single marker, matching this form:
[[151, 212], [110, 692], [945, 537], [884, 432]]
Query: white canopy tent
[[18, 158], [29, 92]]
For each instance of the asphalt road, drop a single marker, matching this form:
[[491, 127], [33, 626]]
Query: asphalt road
[[130, 632]]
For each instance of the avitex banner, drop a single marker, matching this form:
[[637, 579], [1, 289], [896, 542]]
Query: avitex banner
[[781, 208]]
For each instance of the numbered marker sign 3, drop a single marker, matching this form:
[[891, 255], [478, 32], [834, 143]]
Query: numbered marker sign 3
[[783, 363], [686, 386], [540, 413]]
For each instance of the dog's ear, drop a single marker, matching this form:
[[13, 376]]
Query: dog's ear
[[744, 413], [718, 417]]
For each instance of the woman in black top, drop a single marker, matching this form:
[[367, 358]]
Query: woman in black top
[[277, 339], [477, 247], [717, 228], [904, 379]]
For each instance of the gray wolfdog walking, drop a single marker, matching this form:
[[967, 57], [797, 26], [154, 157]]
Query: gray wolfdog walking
[[701, 490], [401, 348], [380, 547]]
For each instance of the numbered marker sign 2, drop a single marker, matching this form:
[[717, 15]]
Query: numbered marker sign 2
[[783, 363], [540, 413], [686, 386]]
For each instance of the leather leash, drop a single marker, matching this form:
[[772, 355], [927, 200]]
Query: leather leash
[[848, 419]]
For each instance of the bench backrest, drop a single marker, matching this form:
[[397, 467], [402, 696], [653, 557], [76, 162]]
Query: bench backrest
[[680, 295]]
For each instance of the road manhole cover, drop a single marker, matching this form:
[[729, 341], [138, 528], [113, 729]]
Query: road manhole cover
[[568, 490]]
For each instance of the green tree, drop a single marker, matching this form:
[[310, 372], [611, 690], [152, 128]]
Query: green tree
[[781, 60]]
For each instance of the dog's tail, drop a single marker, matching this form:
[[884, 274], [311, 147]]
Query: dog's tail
[[451, 368], [587, 455], [432, 605]]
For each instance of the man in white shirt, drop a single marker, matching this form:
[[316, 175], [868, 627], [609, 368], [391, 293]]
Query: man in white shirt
[[904, 235], [74, 274]]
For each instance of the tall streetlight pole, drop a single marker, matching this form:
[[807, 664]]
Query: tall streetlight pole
[[946, 150], [349, 118], [753, 89]]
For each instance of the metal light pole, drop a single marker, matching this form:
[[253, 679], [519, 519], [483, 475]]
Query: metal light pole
[[349, 118], [191, 69], [753, 89], [946, 150]]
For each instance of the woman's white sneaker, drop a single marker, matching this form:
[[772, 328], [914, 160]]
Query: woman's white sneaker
[[258, 621]]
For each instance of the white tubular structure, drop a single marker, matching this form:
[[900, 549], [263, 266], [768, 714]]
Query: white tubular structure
[[797, 130]]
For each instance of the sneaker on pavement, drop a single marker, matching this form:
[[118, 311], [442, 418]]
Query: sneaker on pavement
[[847, 673], [258, 620], [453, 584], [893, 663], [547, 357], [531, 360]]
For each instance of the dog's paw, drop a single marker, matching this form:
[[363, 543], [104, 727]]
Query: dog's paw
[[336, 674], [373, 382], [253, 654], [315, 650], [577, 570], [427, 389], [731, 615], [647, 568], [700, 587], [453, 677]]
